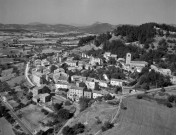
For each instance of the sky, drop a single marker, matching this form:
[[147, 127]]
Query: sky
[[87, 11]]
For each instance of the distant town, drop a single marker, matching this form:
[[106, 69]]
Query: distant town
[[70, 83]]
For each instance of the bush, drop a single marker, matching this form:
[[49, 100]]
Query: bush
[[169, 105], [107, 125], [171, 98], [44, 111], [65, 114], [139, 96], [57, 106], [76, 129], [108, 97], [162, 89], [67, 103], [84, 103]]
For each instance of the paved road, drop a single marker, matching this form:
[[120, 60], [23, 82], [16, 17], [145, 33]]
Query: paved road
[[23, 126], [27, 74]]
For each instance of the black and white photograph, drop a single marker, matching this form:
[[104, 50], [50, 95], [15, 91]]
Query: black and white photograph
[[87, 67]]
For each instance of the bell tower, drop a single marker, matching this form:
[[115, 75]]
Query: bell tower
[[128, 58]]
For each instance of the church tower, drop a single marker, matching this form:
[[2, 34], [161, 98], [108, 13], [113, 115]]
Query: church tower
[[128, 58]]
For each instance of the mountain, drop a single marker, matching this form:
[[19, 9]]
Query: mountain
[[98, 28], [95, 28]]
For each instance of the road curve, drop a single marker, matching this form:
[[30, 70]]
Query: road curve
[[27, 74]]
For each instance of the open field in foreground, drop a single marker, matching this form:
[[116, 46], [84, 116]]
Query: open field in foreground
[[104, 111], [31, 116], [145, 118]]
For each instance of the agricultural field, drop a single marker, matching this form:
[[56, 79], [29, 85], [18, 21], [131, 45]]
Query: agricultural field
[[144, 117], [32, 117], [5, 127]]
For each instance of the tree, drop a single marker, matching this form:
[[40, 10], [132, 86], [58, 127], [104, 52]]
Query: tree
[[57, 106], [63, 113], [107, 125], [139, 96], [169, 105], [171, 98], [67, 131], [162, 89], [112, 61], [67, 103], [118, 89], [146, 46], [108, 97], [84, 103], [29, 95]]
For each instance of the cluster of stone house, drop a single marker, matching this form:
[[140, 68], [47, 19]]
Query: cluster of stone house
[[108, 55], [41, 94]]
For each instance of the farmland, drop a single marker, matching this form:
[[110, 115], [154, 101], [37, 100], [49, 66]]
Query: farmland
[[32, 116]]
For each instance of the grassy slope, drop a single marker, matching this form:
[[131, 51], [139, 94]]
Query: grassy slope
[[102, 110], [145, 118]]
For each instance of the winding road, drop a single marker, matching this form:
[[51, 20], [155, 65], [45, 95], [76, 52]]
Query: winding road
[[27, 74]]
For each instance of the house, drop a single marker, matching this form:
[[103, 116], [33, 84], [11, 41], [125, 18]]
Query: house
[[45, 97], [166, 72], [46, 71], [173, 79], [87, 93], [37, 78], [37, 62], [72, 63], [103, 83], [95, 61], [106, 55], [81, 64], [62, 85], [40, 90], [59, 70], [114, 56], [97, 94], [45, 62], [88, 66], [61, 76], [75, 78], [75, 93], [84, 55], [91, 83], [36, 91], [80, 84], [135, 64], [117, 82], [42, 98]]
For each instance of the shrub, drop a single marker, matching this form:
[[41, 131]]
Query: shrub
[[162, 89], [107, 125], [139, 96], [76, 129], [65, 114], [108, 97], [84, 103], [171, 98], [169, 105], [67, 103]]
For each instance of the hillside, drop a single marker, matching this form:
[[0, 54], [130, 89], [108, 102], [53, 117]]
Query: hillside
[[98, 28], [145, 118], [103, 111]]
